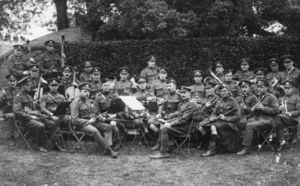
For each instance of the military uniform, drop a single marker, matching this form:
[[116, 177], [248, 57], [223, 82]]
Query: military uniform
[[123, 87], [82, 111], [27, 115], [17, 64], [159, 88], [151, 74], [263, 116], [50, 61], [85, 77], [243, 75], [6, 103], [290, 112], [227, 129], [233, 88]]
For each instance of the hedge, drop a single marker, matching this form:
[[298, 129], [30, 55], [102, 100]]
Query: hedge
[[181, 56]]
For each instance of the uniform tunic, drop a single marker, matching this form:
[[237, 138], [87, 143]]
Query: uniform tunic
[[263, 117], [243, 75], [6, 101], [85, 77], [81, 112], [50, 61], [52, 101], [198, 93], [159, 88], [17, 64], [123, 88], [290, 75], [151, 74], [228, 135]]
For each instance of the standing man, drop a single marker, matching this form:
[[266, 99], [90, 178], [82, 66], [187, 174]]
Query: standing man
[[151, 71], [17, 62], [264, 111], [7, 96], [50, 61], [34, 75], [244, 73], [177, 126], [28, 116], [83, 118]]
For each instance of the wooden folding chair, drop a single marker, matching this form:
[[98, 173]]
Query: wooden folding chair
[[268, 136], [77, 135], [184, 139], [23, 132]]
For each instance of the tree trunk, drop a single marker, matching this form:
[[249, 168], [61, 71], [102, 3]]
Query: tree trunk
[[61, 11]]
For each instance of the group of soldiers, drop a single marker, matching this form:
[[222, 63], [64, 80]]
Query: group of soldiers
[[220, 106]]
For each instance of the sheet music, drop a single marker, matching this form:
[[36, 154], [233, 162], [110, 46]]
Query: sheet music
[[132, 102]]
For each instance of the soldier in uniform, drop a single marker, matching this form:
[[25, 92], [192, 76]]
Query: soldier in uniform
[[50, 61], [26, 113], [266, 108], [7, 96], [17, 62], [178, 125], [123, 86], [101, 105], [198, 89], [231, 84], [34, 74], [244, 73], [219, 69], [260, 74], [142, 92], [290, 112], [151, 71], [83, 118], [85, 76], [246, 101], [96, 82], [67, 78], [159, 86], [49, 103], [168, 110], [290, 72], [222, 124], [274, 77]]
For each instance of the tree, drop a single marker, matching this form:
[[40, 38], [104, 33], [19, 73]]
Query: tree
[[61, 10]]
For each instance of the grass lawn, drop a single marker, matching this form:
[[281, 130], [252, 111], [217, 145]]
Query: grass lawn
[[134, 167]]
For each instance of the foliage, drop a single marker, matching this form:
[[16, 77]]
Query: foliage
[[181, 56]]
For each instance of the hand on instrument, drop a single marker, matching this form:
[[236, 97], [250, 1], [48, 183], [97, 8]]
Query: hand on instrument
[[167, 125], [25, 72], [34, 117], [63, 55], [31, 59], [222, 117], [259, 106], [289, 114], [55, 118], [92, 120]]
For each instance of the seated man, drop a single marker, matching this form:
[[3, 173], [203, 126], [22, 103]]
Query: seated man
[[179, 125], [83, 119], [49, 104], [222, 123], [169, 110], [25, 112], [246, 101], [264, 111], [7, 96], [290, 112]]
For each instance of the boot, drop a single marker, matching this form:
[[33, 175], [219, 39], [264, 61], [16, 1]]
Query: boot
[[244, 151], [212, 146], [156, 147], [111, 152], [211, 150]]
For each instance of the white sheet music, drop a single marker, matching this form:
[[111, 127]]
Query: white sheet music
[[132, 102]]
